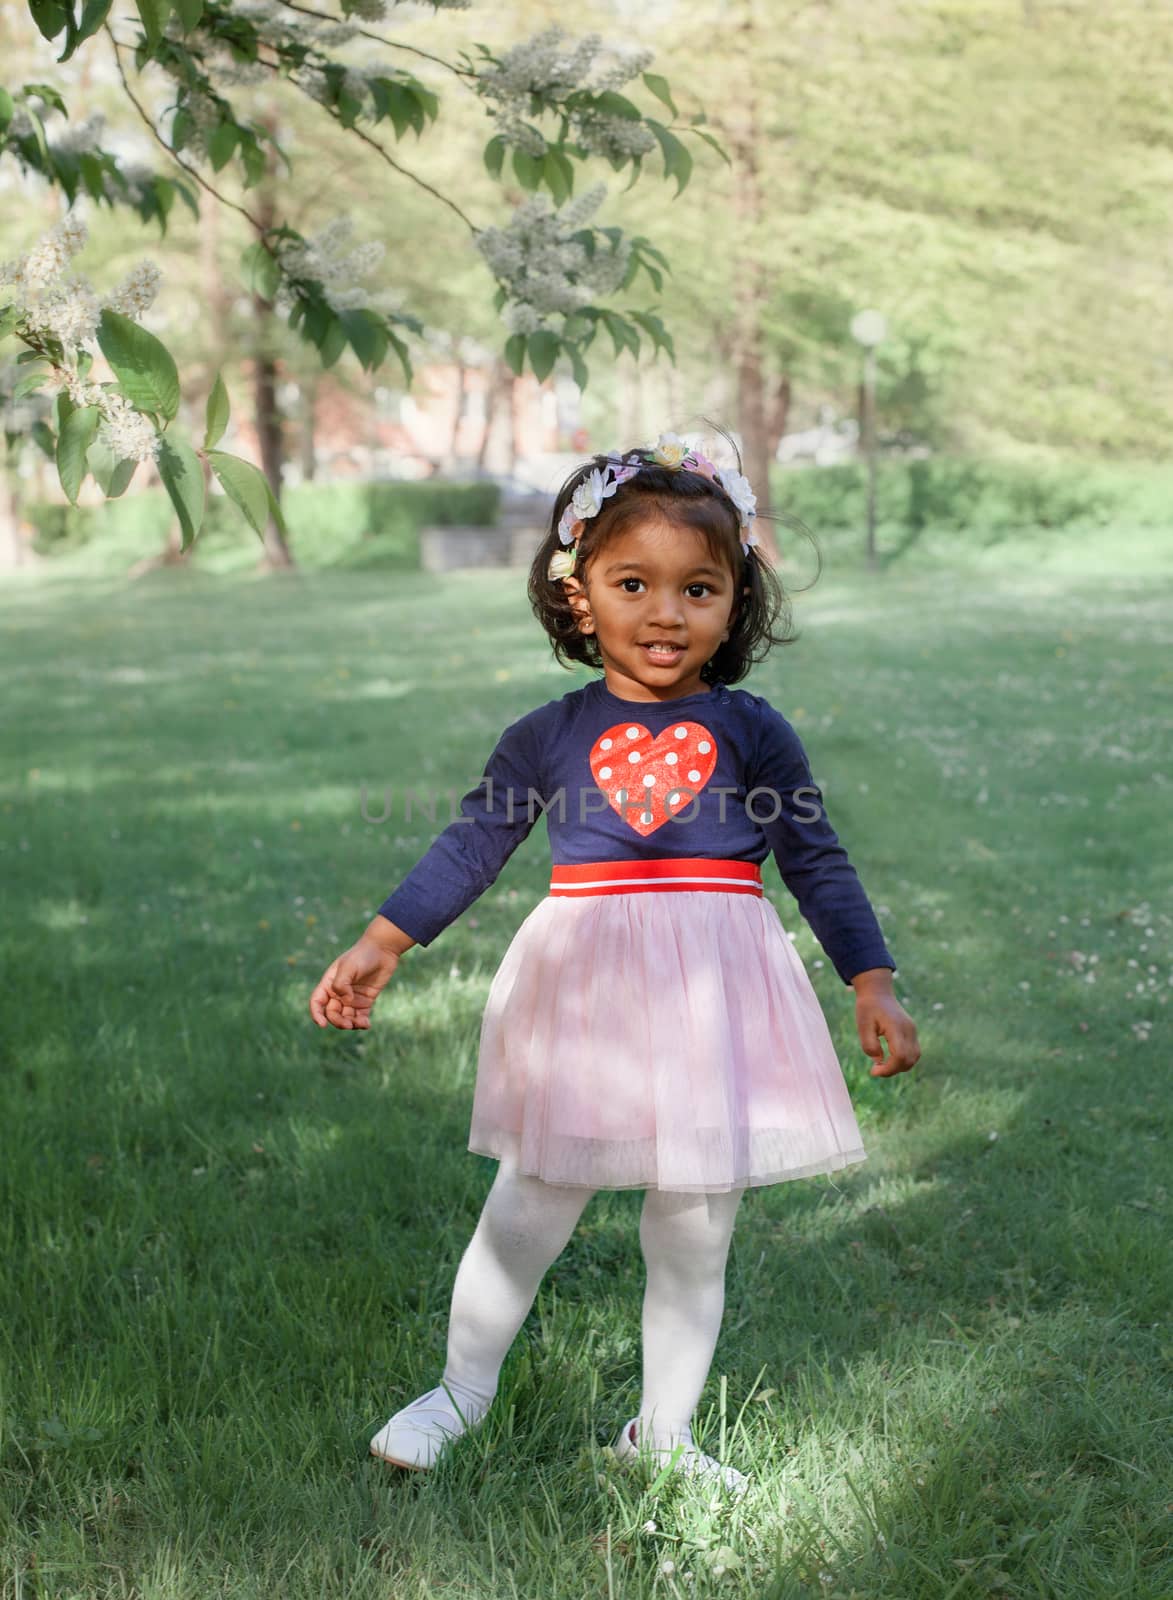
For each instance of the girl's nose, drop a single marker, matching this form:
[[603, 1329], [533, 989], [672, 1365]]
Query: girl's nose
[[665, 608]]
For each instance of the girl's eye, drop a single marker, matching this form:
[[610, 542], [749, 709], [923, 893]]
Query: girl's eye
[[625, 581]]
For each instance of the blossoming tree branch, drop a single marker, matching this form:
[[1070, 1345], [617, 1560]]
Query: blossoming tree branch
[[553, 105]]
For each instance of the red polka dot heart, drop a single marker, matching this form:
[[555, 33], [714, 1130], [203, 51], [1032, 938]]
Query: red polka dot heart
[[648, 780]]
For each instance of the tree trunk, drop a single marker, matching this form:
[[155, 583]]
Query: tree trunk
[[15, 554], [751, 289], [515, 422], [309, 454], [495, 386], [266, 413], [458, 416]]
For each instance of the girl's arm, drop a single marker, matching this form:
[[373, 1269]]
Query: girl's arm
[[814, 866], [465, 859]]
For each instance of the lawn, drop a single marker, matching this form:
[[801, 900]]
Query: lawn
[[227, 1238]]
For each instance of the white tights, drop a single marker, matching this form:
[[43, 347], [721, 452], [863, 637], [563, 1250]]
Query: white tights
[[523, 1228]]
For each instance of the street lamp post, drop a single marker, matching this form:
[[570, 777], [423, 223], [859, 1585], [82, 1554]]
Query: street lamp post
[[868, 329]]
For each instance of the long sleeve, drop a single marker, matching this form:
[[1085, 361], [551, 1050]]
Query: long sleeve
[[813, 864], [467, 856]]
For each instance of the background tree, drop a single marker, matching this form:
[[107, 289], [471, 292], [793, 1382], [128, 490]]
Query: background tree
[[553, 107]]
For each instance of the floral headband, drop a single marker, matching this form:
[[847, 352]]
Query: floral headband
[[669, 451]]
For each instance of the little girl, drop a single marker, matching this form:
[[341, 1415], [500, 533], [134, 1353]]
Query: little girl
[[651, 1025]]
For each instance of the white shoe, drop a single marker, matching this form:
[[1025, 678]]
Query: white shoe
[[689, 1460], [415, 1436]]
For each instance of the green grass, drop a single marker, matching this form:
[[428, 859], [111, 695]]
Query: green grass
[[227, 1239]]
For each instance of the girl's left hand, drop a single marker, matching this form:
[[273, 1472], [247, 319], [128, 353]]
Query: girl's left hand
[[879, 1016]]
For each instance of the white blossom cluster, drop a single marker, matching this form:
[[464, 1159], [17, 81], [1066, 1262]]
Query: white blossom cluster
[[130, 435], [52, 301], [541, 66], [355, 81], [278, 25], [20, 124], [376, 10], [328, 257], [79, 138], [138, 178], [136, 293], [544, 271], [205, 117]]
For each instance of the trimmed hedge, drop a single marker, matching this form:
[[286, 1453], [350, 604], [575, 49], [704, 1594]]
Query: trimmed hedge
[[949, 492], [329, 523]]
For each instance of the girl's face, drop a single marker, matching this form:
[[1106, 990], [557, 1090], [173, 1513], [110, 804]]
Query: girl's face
[[654, 584]]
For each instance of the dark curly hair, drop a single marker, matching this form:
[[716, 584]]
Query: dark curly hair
[[694, 501]]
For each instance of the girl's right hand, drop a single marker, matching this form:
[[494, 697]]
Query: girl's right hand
[[350, 985]]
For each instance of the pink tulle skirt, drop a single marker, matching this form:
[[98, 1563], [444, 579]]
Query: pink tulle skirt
[[659, 1032]]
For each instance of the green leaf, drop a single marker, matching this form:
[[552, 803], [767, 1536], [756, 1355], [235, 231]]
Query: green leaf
[[255, 163], [218, 412], [677, 160], [182, 127], [92, 174], [111, 475], [49, 16], [43, 437], [558, 172], [142, 364], [49, 95], [153, 14], [495, 155], [93, 14], [61, 408], [719, 148], [222, 143], [659, 87], [334, 342], [578, 365], [72, 443], [261, 273], [636, 167], [164, 195], [120, 479], [617, 105], [515, 353], [623, 335], [9, 317], [655, 329], [429, 100], [183, 478], [402, 108], [7, 107], [543, 347], [528, 169], [246, 486], [403, 354], [186, 193], [26, 385], [367, 334], [189, 13], [275, 509]]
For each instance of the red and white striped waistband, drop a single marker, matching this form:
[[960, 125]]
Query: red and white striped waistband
[[672, 872]]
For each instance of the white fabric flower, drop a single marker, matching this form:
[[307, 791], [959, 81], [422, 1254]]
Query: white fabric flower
[[591, 492], [736, 486], [669, 451], [562, 563]]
